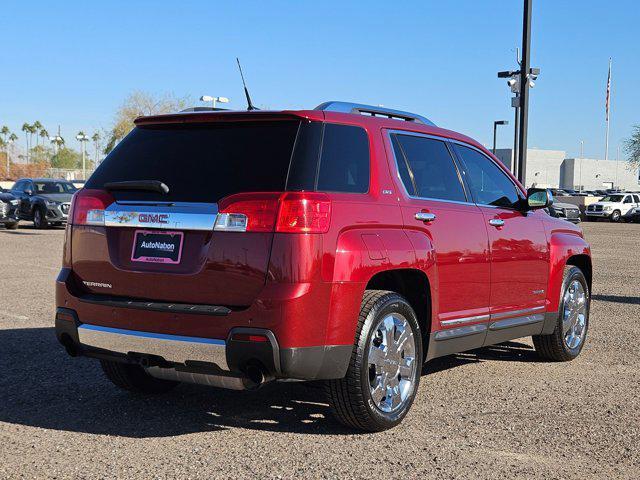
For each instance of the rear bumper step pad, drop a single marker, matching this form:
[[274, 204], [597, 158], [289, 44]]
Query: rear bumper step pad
[[124, 302]]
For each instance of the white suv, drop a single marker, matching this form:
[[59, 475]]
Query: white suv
[[614, 207]]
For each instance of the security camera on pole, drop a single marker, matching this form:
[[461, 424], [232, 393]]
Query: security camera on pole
[[520, 81]]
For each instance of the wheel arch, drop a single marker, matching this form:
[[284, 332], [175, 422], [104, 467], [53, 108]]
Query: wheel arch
[[583, 262], [566, 249], [414, 285]]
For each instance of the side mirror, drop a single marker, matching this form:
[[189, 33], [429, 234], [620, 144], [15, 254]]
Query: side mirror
[[539, 198], [28, 191]]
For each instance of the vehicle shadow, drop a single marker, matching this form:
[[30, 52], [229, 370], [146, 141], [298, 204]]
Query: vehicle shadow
[[42, 386], [617, 299], [507, 351], [18, 232]]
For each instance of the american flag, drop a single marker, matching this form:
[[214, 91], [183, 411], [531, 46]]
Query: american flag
[[608, 91]]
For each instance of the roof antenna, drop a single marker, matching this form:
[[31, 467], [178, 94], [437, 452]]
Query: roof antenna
[[246, 92]]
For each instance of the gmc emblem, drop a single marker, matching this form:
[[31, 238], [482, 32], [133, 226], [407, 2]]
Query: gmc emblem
[[153, 218]]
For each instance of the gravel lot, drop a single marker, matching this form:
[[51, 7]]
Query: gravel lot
[[493, 413]]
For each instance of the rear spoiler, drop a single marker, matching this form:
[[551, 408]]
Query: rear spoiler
[[229, 116]]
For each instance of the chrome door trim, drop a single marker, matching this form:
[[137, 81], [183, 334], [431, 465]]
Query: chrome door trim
[[516, 313], [177, 216], [493, 316], [456, 321]]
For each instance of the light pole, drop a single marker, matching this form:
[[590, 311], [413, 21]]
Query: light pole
[[581, 157], [214, 100], [495, 126], [82, 138], [57, 140], [520, 81]]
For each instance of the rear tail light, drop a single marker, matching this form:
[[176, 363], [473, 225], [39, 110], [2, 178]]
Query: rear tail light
[[247, 212], [88, 206], [289, 212], [302, 212]]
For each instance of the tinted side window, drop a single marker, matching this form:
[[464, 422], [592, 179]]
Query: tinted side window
[[344, 163], [304, 162], [18, 186], [636, 198], [403, 169], [489, 184], [432, 168], [628, 199]]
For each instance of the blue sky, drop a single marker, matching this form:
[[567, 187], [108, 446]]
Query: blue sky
[[72, 63]]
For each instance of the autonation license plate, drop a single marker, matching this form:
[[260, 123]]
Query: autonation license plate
[[157, 247]]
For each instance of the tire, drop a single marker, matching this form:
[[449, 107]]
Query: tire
[[556, 346], [40, 219], [351, 398], [615, 216], [11, 226], [133, 378]]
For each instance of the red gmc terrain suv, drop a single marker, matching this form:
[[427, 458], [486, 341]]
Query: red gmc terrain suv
[[348, 244]]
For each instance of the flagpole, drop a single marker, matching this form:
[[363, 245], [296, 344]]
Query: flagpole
[[606, 143]]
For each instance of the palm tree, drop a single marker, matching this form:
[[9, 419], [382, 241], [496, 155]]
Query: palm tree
[[96, 139], [44, 135], [12, 138], [26, 128], [4, 131], [37, 126]]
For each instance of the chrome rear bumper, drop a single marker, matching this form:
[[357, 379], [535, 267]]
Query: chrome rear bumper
[[172, 348]]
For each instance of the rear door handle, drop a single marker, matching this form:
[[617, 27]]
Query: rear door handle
[[425, 216], [496, 222]]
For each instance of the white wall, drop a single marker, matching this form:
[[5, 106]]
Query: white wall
[[598, 174], [543, 166]]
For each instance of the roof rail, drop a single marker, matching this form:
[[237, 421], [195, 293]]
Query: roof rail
[[360, 109], [203, 109]]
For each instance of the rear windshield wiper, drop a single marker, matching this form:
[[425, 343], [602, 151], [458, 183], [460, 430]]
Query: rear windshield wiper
[[144, 185]]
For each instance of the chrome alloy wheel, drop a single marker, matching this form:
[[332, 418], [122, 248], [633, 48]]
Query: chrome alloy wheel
[[392, 363], [574, 315]]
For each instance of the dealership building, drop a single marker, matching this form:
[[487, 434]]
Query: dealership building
[[551, 168]]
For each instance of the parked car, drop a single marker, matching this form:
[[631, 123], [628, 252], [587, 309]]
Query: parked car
[[565, 211], [558, 192], [634, 215], [8, 204], [43, 201], [347, 244], [615, 207], [570, 192]]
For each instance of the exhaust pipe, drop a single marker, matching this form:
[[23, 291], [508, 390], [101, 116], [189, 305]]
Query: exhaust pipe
[[257, 376], [254, 377]]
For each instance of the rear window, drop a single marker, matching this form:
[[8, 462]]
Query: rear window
[[206, 162], [201, 162]]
